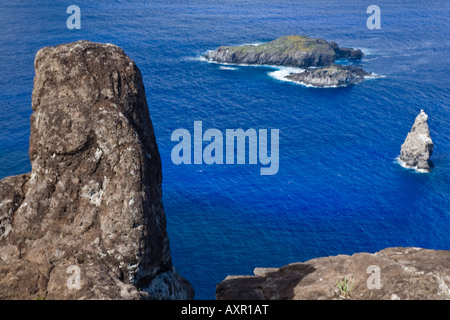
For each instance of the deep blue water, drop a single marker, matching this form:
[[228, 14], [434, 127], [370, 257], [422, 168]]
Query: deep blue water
[[338, 189]]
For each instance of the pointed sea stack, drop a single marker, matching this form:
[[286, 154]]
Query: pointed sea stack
[[88, 222], [418, 146]]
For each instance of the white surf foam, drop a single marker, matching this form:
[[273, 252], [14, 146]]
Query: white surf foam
[[282, 72], [404, 165], [367, 51], [254, 44], [228, 68], [374, 75], [197, 58]]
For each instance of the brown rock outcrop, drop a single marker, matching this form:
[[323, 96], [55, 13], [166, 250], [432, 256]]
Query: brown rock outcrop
[[390, 274], [88, 221]]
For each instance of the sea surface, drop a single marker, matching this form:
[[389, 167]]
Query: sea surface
[[339, 189]]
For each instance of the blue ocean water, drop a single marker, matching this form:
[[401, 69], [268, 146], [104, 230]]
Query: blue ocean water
[[338, 189]]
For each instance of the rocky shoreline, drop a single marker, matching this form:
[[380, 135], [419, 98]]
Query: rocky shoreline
[[317, 56]]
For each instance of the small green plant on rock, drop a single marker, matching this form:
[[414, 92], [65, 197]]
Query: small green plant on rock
[[344, 287]]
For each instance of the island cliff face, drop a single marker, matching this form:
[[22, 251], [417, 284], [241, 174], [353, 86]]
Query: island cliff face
[[390, 274], [301, 52], [92, 202], [417, 149]]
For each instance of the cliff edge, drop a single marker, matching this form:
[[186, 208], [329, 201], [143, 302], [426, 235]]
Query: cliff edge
[[390, 274], [88, 222]]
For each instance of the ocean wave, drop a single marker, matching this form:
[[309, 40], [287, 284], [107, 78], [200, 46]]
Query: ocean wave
[[370, 59], [321, 87], [196, 58], [228, 68], [374, 75], [313, 86], [367, 51]]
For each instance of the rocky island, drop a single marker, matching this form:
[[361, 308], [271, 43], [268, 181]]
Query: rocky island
[[417, 149], [316, 56], [330, 76], [88, 222]]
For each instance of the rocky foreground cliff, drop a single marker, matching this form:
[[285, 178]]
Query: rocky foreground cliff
[[88, 222], [390, 274], [316, 56]]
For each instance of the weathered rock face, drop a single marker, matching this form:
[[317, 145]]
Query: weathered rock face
[[343, 53], [331, 76], [292, 51], [390, 274], [418, 146], [93, 197]]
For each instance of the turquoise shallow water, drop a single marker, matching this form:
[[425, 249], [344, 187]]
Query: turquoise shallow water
[[338, 189]]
